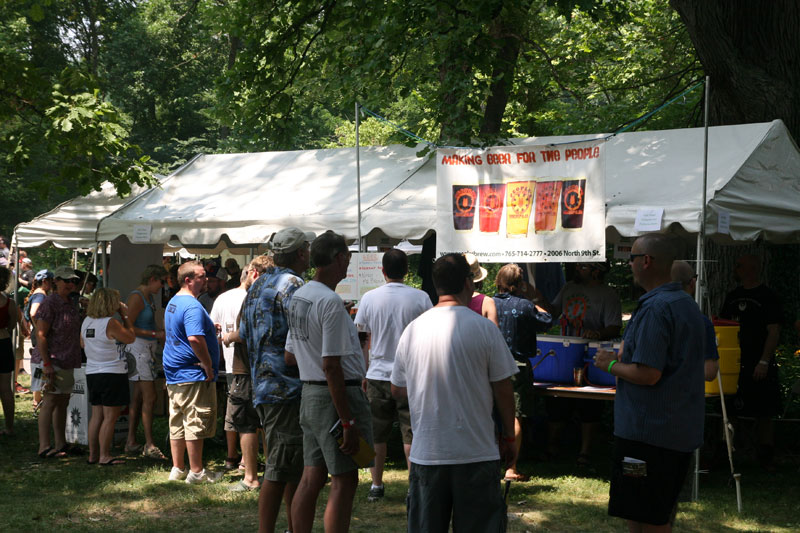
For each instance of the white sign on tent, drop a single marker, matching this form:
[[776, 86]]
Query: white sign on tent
[[522, 203]]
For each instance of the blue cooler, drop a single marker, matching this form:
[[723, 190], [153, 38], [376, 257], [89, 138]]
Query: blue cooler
[[556, 357], [595, 376]]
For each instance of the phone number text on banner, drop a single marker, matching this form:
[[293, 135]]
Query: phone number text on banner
[[522, 203]]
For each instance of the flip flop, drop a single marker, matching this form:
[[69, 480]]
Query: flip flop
[[113, 462], [57, 454], [516, 477], [242, 487], [44, 453]]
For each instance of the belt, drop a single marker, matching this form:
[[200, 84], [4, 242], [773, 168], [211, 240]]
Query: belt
[[347, 383]]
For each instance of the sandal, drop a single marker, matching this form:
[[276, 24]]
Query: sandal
[[44, 454], [114, 461], [72, 450], [154, 453], [136, 448]]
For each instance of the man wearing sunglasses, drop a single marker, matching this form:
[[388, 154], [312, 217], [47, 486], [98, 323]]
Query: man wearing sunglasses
[[56, 354], [659, 405]]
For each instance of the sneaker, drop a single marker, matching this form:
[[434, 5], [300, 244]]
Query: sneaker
[[204, 476], [21, 390], [176, 474], [375, 494]]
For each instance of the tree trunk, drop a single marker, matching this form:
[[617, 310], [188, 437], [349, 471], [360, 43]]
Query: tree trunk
[[751, 51], [505, 30]]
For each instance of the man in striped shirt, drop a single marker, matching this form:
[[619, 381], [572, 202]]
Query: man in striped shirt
[[659, 406]]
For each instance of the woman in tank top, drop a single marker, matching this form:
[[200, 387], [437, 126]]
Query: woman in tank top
[[42, 286], [104, 339], [480, 303], [143, 314]]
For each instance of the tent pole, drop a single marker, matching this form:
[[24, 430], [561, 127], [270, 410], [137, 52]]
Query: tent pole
[[105, 263], [358, 177], [700, 270], [94, 259]]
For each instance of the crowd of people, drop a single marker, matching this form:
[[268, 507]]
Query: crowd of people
[[325, 389]]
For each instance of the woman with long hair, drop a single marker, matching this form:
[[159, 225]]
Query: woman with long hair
[[142, 311], [104, 338]]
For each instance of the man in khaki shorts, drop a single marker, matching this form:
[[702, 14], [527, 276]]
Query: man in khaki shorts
[[383, 314], [191, 363]]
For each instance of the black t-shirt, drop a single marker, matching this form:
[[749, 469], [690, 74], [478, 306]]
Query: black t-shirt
[[754, 309]]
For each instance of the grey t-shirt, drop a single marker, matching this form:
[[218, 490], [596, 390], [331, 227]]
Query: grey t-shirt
[[586, 307]]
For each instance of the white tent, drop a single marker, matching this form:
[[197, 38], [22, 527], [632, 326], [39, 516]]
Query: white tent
[[244, 198], [753, 174], [72, 224]]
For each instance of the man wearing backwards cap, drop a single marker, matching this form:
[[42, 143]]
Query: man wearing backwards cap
[[56, 354], [264, 327]]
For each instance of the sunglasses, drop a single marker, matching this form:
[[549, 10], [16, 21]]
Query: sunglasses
[[633, 257]]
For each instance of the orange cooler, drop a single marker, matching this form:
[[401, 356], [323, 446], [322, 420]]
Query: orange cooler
[[729, 357]]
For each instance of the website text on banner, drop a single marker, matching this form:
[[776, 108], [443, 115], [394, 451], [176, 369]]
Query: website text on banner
[[531, 204]]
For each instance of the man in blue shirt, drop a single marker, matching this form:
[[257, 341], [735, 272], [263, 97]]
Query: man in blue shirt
[[659, 406], [276, 386], [191, 363]]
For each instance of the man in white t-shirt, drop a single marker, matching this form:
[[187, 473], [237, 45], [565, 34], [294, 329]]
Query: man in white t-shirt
[[323, 342], [454, 366], [383, 314], [224, 313]]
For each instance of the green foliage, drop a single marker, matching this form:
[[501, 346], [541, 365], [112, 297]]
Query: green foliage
[[51, 106]]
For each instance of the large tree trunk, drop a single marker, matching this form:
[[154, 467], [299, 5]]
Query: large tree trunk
[[751, 51], [505, 30]]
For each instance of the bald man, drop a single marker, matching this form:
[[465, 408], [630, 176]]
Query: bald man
[[759, 313], [659, 405], [683, 273]]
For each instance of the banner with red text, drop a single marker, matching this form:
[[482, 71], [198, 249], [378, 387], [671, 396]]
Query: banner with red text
[[529, 204]]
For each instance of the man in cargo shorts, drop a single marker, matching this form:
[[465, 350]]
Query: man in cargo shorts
[[324, 343], [383, 314], [659, 406], [191, 363], [264, 326]]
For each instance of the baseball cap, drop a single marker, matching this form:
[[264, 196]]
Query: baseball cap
[[222, 274], [26, 261], [43, 274], [289, 239], [65, 272]]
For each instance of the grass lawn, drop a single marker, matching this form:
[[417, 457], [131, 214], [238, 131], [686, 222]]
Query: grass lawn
[[69, 495]]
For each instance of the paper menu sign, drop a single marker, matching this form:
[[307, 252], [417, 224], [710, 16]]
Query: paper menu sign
[[649, 219], [724, 222], [141, 233]]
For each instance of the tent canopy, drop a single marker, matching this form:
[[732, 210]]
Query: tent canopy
[[753, 174], [73, 224], [244, 198]]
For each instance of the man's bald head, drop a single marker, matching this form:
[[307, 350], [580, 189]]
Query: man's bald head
[[660, 248], [683, 273]]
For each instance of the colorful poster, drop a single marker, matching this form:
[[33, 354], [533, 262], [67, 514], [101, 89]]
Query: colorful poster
[[532, 203]]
